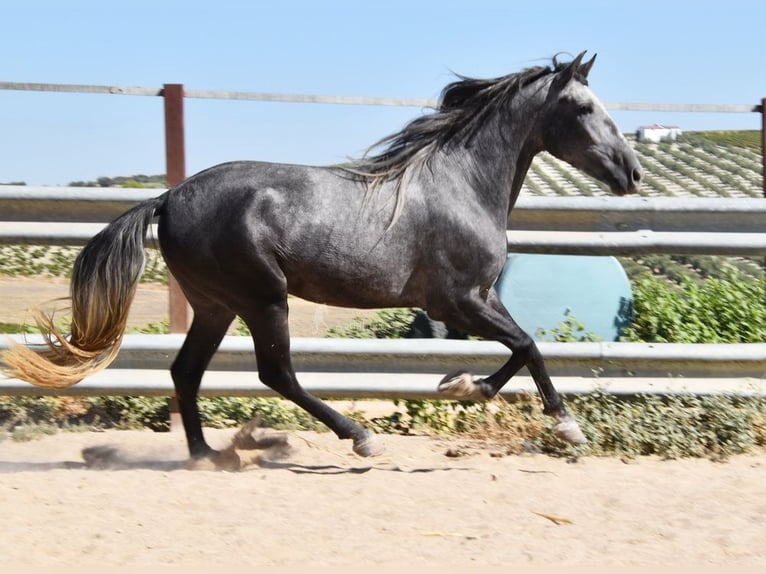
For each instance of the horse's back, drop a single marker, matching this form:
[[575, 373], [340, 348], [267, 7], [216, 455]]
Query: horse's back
[[216, 203]]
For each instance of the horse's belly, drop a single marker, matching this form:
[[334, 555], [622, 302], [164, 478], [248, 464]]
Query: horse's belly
[[351, 285]]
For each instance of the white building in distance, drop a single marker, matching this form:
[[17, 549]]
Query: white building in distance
[[657, 133]]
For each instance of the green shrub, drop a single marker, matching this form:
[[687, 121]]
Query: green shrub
[[386, 324], [718, 310], [148, 412], [670, 426], [18, 328], [570, 330], [57, 261], [159, 328], [226, 412], [128, 413], [15, 411]]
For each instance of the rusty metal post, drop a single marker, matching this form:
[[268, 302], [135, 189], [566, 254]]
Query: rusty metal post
[[763, 144], [175, 162], [175, 165]]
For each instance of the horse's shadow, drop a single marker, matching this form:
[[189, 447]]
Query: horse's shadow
[[115, 458], [10, 467], [330, 469], [104, 457]]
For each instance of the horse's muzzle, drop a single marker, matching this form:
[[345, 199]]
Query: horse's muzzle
[[627, 180]]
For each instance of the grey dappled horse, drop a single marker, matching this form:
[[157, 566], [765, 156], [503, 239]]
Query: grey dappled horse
[[421, 223]]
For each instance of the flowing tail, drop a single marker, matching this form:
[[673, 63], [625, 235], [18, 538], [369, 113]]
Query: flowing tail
[[104, 280]]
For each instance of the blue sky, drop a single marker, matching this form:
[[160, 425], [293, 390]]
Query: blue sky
[[648, 51]]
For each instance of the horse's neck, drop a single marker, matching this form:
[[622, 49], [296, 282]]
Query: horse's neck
[[501, 156], [523, 163]]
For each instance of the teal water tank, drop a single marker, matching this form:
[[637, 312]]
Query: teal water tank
[[541, 291]]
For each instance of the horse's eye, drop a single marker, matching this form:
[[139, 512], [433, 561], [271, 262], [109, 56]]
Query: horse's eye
[[584, 109]]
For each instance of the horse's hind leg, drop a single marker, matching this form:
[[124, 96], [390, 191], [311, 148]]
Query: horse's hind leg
[[269, 327], [205, 334]]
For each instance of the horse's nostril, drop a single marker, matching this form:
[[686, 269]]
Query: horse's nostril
[[636, 175]]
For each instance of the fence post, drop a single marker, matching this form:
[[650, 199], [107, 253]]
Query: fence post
[[175, 162], [763, 145], [175, 165]]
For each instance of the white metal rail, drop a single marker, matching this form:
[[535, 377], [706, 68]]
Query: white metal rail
[[343, 100], [582, 225], [389, 368]]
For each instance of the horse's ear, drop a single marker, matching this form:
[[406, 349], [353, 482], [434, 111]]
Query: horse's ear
[[568, 72], [585, 69]]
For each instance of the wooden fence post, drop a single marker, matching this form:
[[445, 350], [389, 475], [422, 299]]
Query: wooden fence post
[[175, 164], [763, 144]]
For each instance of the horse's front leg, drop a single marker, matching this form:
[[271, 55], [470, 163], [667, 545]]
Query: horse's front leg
[[488, 318]]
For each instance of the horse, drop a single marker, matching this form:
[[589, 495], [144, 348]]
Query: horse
[[418, 221]]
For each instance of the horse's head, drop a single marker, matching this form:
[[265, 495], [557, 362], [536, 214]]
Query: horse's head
[[578, 130]]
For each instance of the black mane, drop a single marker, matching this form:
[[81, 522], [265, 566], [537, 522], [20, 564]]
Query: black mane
[[463, 107]]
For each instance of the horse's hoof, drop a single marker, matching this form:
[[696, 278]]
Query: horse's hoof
[[369, 445], [460, 386], [567, 429]]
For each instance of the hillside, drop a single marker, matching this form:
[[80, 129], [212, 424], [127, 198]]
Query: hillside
[[133, 181]]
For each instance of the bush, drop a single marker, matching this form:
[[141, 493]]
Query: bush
[[15, 411], [670, 426], [386, 324], [148, 412], [276, 413], [57, 261], [515, 423], [570, 330], [722, 310]]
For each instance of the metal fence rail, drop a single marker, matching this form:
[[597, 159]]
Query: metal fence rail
[[582, 225], [608, 213], [350, 368], [343, 100], [640, 242]]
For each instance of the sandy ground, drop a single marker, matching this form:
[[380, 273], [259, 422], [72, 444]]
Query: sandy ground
[[323, 506]]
